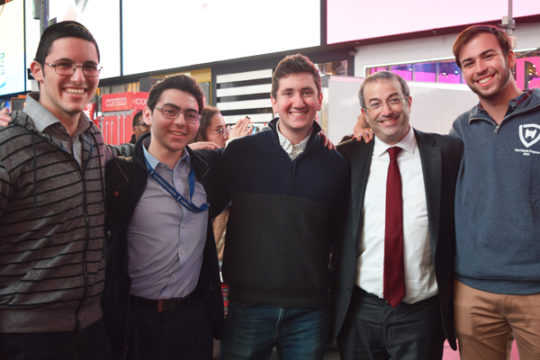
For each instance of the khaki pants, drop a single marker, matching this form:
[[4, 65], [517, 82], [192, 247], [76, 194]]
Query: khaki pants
[[486, 323]]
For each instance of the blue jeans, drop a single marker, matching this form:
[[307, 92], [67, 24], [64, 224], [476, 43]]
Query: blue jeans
[[251, 331]]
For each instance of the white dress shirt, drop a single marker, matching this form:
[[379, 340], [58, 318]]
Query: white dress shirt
[[420, 282]]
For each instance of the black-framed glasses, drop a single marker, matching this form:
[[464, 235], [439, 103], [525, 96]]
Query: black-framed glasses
[[172, 112], [144, 125], [67, 68], [392, 102]]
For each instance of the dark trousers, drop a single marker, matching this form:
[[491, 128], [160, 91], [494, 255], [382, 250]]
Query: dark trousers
[[183, 333], [89, 343], [376, 331]]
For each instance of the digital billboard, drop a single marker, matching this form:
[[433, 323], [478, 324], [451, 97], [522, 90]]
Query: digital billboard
[[168, 34], [12, 61], [350, 20], [102, 18]]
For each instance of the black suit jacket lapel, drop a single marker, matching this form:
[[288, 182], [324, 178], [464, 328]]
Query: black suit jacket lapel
[[359, 176], [431, 159]]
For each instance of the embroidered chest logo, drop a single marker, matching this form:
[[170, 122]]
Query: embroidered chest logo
[[529, 134]]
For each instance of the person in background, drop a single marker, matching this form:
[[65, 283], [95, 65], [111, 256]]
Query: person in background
[[52, 159], [162, 296], [287, 194], [394, 269], [214, 129], [497, 287], [139, 127]]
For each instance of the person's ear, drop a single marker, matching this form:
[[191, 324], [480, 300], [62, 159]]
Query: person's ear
[[37, 71], [147, 116]]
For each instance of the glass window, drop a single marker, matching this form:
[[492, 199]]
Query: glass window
[[526, 71], [449, 73], [425, 72], [405, 71], [377, 69], [334, 68]]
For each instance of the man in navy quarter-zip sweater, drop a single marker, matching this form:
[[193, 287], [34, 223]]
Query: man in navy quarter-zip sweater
[[287, 193]]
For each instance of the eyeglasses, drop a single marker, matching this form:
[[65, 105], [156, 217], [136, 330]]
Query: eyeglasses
[[172, 112], [67, 68], [392, 102], [221, 130], [143, 125]]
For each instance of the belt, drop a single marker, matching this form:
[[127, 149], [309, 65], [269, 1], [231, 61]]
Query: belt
[[358, 292], [165, 304]]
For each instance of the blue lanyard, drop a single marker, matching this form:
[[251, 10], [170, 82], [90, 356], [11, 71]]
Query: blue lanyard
[[175, 194]]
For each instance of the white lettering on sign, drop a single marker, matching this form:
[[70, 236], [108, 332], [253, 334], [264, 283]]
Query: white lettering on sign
[[140, 101], [116, 102]]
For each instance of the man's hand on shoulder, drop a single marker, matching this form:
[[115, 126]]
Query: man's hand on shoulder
[[361, 130], [327, 143]]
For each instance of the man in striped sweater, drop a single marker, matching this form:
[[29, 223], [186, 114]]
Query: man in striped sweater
[[52, 208]]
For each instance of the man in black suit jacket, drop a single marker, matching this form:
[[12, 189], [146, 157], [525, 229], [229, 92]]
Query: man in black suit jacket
[[366, 325]]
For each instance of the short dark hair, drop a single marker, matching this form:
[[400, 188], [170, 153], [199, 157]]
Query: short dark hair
[[382, 75], [137, 118], [206, 115], [472, 31], [179, 82], [295, 64], [61, 30]]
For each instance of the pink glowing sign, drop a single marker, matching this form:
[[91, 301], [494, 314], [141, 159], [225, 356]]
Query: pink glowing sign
[[350, 20]]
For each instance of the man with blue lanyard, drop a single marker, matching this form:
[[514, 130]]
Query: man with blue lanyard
[[162, 298]]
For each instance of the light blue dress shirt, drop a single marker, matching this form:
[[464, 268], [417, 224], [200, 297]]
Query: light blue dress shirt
[[165, 240]]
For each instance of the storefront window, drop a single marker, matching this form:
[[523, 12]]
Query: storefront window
[[449, 73], [526, 71], [339, 67], [405, 71], [425, 72], [377, 69]]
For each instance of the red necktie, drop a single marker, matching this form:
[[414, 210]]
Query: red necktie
[[394, 278]]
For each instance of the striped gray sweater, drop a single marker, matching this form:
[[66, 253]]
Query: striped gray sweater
[[51, 230]]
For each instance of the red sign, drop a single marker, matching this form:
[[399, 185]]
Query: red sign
[[90, 110], [123, 101], [139, 100]]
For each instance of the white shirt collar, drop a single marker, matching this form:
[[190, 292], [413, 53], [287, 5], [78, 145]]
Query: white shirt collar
[[408, 143], [292, 150]]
